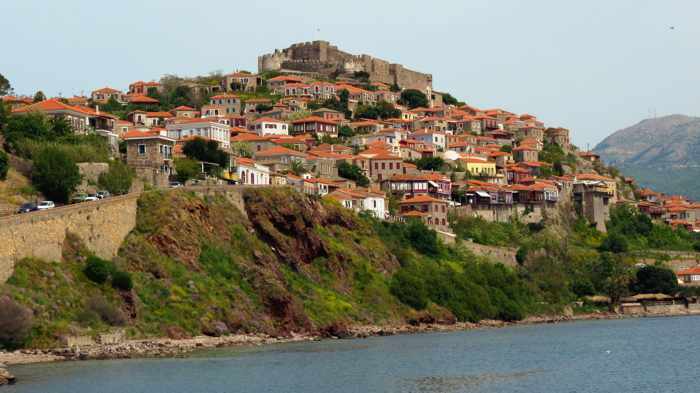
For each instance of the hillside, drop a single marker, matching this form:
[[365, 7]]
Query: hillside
[[662, 153], [288, 263]]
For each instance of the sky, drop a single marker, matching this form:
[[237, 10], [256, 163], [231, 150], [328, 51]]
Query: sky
[[592, 66]]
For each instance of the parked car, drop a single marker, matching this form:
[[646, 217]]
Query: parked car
[[77, 198], [27, 207], [103, 194], [175, 184], [45, 205], [91, 198]]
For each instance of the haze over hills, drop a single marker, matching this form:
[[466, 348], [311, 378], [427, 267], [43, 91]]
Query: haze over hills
[[662, 153]]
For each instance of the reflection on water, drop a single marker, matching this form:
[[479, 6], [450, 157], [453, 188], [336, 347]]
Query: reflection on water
[[621, 356], [441, 384]]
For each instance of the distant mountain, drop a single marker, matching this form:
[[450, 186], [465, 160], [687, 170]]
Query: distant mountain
[[662, 153]]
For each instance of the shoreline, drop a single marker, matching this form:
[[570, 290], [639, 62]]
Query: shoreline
[[170, 348]]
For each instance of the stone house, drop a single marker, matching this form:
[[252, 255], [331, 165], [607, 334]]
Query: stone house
[[277, 84], [150, 154], [329, 114], [380, 165], [251, 105], [433, 184], [558, 136], [316, 126], [102, 96], [241, 81], [279, 158], [525, 154], [432, 211], [185, 111], [231, 103], [142, 88]]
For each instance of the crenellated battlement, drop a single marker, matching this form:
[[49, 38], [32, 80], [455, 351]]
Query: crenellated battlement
[[323, 58]]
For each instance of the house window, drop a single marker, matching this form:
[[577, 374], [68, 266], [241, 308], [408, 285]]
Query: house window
[[142, 150]]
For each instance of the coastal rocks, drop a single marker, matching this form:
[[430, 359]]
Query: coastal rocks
[[215, 329], [5, 377]]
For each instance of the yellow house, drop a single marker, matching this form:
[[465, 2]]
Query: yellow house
[[478, 167]]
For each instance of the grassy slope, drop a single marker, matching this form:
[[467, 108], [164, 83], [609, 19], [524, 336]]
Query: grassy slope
[[197, 262]]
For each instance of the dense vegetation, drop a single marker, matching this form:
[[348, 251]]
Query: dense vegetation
[[352, 172], [294, 264], [567, 259], [55, 174]]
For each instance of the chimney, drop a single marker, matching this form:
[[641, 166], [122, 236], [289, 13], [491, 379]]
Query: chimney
[[97, 109]]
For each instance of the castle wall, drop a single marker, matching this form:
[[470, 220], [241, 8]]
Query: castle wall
[[325, 59]]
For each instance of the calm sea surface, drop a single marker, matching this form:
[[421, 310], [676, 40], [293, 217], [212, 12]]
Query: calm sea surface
[[636, 355]]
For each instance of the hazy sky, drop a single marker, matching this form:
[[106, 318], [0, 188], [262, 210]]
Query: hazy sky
[[593, 66]]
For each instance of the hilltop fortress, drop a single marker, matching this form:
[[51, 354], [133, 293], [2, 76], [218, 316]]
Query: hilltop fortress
[[320, 57]]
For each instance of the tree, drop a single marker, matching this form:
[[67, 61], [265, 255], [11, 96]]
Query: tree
[[39, 96], [97, 269], [352, 172], [60, 126], [122, 281], [32, 125], [261, 108], [413, 98], [615, 243], [15, 323], [206, 151], [186, 169], [430, 163], [55, 174], [381, 110], [448, 99], [4, 165], [5, 87], [297, 167], [117, 180], [655, 279], [345, 132], [612, 276], [507, 148], [241, 149]]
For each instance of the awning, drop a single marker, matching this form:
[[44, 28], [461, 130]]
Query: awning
[[483, 194], [432, 183]]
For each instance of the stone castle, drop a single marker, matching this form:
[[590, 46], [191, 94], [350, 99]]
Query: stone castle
[[322, 58]]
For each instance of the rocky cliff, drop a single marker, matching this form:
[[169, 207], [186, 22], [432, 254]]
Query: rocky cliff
[[279, 262], [663, 153]]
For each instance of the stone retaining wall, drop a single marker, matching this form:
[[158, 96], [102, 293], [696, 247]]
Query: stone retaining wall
[[102, 225], [503, 255]]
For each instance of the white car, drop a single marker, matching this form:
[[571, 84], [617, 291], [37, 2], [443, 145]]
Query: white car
[[90, 198], [45, 205]]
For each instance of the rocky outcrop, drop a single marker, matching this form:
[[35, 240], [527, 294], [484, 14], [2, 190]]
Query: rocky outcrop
[[5, 377]]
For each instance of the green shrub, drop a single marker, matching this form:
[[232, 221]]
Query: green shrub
[[15, 323], [422, 238], [410, 289], [186, 169], [97, 269], [615, 243], [55, 174], [117, 180], [122, 281], [655, 279], [4, 165], [108, 313]]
